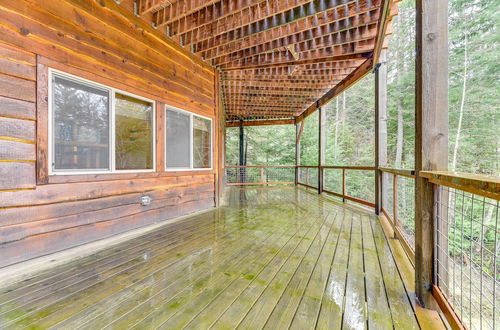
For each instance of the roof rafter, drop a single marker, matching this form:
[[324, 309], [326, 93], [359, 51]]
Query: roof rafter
[[357, 33]]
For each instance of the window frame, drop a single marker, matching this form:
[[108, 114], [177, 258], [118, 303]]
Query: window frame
[[191, 141], [112, 125]]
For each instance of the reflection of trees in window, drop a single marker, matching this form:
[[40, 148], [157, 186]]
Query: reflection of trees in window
[[81, 126], [178, 139], [134, 133], [201, 142]]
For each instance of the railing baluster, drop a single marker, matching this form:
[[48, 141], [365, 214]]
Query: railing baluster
[[343, 185], [262, 175]]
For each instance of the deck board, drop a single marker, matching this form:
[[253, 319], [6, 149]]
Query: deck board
[[273, 258]]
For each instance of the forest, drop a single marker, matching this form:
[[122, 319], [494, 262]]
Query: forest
[[474, 116], [474, 136]]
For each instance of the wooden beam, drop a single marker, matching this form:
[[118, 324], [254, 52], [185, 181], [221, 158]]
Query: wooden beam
[[269, 92], [288, 78], [265, 112], [431, 131], [356, 56], [300, 76], [261, 122], [382, 28], [299, 134], [348, 81], [313, 68], [478, 184], [257, 102], [149, 6], [282, 58], [281, 83]]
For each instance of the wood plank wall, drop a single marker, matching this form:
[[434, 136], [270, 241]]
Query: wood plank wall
[[101, 41]]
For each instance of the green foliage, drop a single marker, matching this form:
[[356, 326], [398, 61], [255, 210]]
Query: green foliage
[[309, 141], [264, 145]]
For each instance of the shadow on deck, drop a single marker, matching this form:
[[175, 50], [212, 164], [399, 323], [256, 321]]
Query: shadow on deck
[[273, 258]]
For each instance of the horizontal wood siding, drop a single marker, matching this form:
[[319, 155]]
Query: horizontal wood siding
[[17, 113], [103, 42]]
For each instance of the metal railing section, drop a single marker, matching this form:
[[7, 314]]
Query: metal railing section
[[398, 205], [467, 253]]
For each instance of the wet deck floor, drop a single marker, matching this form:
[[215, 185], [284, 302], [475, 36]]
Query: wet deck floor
[[274, 258]]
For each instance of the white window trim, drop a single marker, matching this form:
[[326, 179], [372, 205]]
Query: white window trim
[[112, 147], [191, 149]]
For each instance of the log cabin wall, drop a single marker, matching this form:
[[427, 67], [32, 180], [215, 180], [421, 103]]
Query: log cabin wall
[[103, 42]]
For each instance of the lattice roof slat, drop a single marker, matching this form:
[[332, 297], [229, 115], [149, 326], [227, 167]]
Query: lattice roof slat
[[278, 58]]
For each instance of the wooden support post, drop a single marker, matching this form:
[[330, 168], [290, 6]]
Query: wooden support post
[[262, 180], [242, 153], [380, 132], [298, 130], [219, 160], [431, 132], [321, 146]]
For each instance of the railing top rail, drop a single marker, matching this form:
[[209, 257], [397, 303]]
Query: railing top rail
[[479, 184], [337, 167], [359, 168], [260, 166], [399, 171]]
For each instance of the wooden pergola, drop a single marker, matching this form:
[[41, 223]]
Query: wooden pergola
[[279, 60], [229, 63]]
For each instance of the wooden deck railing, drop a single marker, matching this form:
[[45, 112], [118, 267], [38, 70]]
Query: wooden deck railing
[[467, 247], [260, 175], [398, 205], [466, 239], [351, 183]]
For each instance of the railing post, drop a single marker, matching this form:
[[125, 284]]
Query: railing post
[[321, 146], [343, 185], [242, 154], [262, 175], [431, 131], [298, 131], [380, 131]]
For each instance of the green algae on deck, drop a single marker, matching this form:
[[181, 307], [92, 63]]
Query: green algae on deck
[[271, 257]]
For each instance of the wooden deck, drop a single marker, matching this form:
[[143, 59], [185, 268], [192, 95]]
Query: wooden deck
[[273, 258]]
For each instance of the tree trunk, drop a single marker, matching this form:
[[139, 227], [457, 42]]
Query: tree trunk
[[399, 105], [451, 201], [462, 104], [400, 136], [336, 132]]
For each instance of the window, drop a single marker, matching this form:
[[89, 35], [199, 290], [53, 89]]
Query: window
[[133, 133], [188, 141], [97, 129]]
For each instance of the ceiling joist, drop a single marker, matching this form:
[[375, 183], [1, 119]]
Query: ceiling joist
[[278, 59]]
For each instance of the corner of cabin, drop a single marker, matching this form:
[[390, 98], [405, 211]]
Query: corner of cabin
[[70, 177]]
